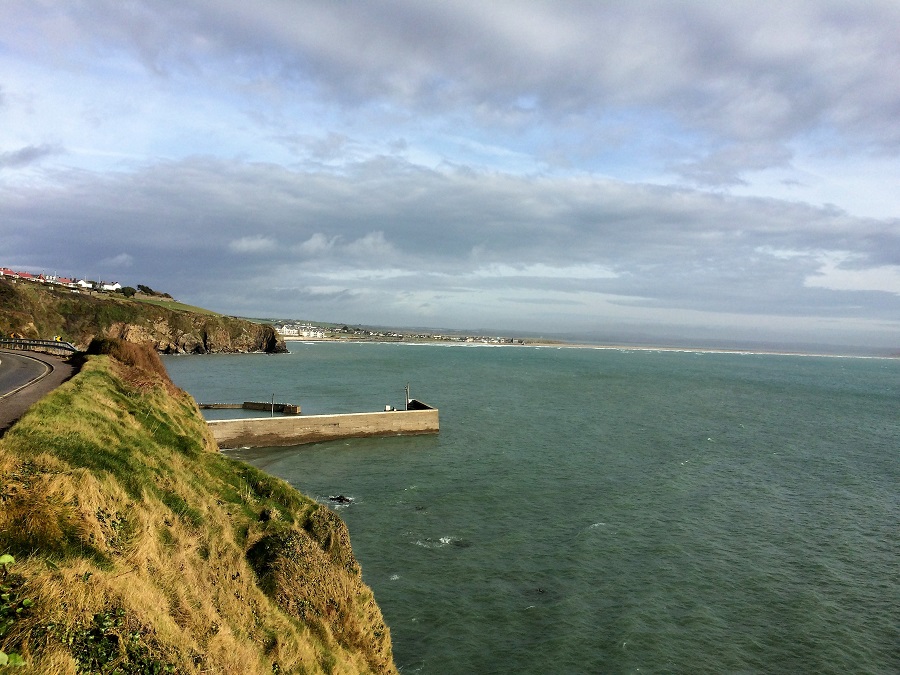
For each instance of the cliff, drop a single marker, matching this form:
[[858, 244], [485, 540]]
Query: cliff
[[139, 548], [38, 311]]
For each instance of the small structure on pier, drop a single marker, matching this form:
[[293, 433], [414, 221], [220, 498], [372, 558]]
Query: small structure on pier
[[283, 408]]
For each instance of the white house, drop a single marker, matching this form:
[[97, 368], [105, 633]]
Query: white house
[[115, 286]]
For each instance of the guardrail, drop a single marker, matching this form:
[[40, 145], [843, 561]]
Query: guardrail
[[49, 346]]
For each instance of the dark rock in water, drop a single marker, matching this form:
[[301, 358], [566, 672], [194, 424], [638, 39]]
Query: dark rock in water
[[341, 499]]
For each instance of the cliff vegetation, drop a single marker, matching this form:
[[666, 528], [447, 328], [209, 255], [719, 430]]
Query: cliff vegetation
[[136, 547], [34, 310]]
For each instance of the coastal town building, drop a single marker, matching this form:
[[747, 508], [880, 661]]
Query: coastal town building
[[56, 280], [302, 331]]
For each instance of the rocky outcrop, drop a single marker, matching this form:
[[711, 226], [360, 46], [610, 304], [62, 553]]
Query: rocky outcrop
[[200, 334], [38, 311]]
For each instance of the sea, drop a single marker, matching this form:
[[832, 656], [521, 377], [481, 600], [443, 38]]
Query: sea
[[605, 510]]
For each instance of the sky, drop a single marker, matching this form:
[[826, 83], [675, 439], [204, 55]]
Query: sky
[[668, 169]]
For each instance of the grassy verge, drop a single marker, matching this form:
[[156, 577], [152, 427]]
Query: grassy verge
[[141, 549], [174, 305]]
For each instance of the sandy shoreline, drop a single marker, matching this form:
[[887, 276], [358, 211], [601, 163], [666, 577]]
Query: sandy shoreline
[[534, 344]]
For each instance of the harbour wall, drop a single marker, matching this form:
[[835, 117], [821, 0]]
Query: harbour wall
[[281, 431]]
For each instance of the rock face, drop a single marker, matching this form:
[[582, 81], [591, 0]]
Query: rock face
[[199, 335], [37, 311]]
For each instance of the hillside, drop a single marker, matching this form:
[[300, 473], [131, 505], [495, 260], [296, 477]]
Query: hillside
[[38, 311], [141, 549]]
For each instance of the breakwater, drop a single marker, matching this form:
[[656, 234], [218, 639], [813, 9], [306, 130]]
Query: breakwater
[[418, 418]]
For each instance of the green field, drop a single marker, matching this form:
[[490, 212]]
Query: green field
[[168, 303]]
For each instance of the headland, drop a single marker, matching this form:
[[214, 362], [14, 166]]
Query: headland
[[136, 545]]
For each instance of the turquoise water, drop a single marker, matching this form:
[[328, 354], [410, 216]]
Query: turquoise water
[[594, 511]]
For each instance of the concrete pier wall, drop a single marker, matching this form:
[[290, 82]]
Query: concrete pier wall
[[279, 431]]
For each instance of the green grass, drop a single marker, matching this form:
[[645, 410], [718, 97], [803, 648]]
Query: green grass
[[175, 305], [132, 533]]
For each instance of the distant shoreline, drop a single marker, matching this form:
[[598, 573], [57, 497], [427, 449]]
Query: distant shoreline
[[550, 344]]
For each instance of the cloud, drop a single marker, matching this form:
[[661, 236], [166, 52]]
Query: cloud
[[17, 159], [349, 276], [834, 276], [252, 244], [122, 260], [747, 79], [373, 244], [317, 244], [724, 166], [543, 271]]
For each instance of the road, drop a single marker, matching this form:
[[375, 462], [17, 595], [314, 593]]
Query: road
[[17, 370], [24, 379]]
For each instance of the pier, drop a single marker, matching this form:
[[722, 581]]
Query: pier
[[418, 418]]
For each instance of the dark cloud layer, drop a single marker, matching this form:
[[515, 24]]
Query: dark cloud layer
[[23, 157], [329, 238]]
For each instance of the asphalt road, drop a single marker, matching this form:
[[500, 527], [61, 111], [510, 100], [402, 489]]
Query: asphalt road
[[24, 379], [17, 370]]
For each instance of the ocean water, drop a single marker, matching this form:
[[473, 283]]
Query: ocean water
[[604, 511]]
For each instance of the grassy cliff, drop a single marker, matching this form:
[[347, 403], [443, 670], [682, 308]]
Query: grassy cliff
[[36, 310], [141, 549]]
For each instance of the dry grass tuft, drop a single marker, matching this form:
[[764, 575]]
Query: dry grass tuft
[[143, 369], [145, 550]]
